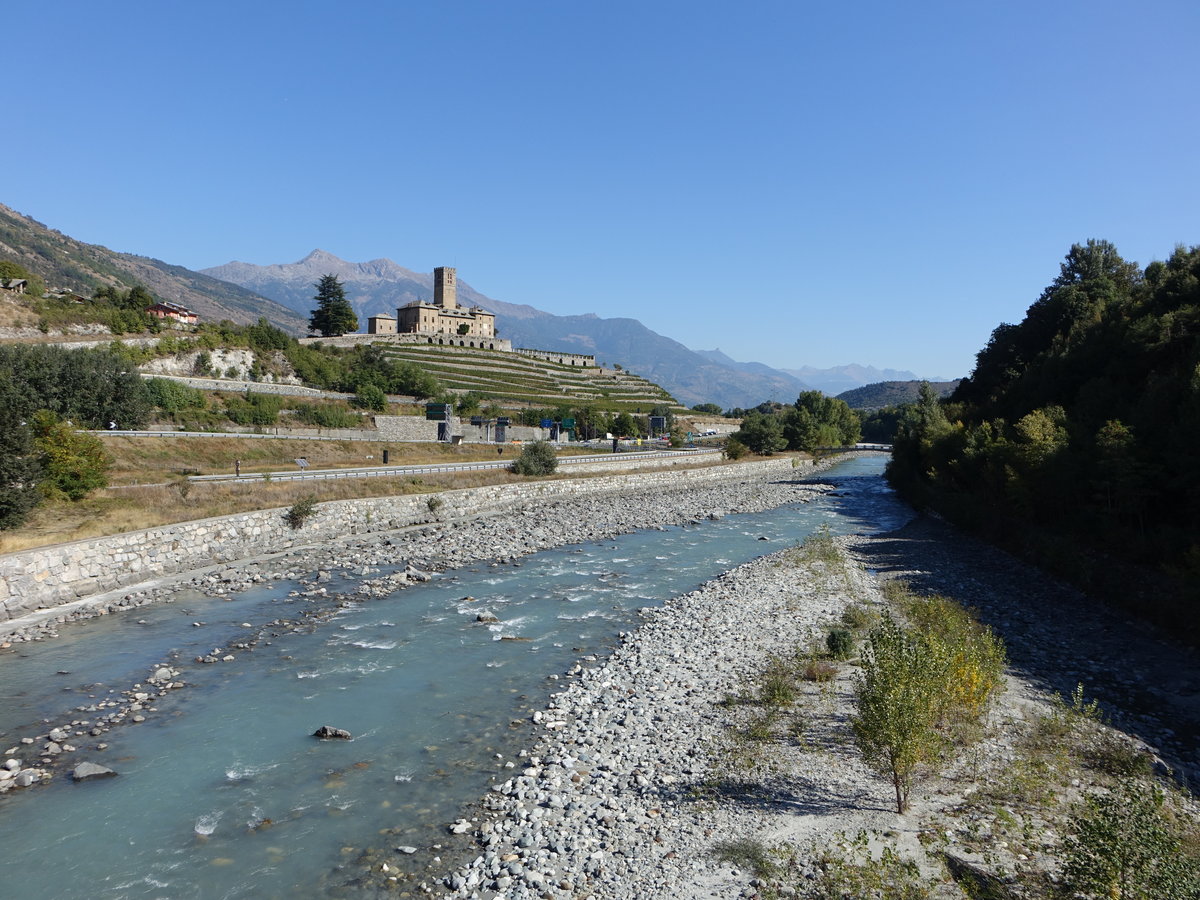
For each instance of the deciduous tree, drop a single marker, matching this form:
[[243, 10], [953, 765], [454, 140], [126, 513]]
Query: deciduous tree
[[75, 464]]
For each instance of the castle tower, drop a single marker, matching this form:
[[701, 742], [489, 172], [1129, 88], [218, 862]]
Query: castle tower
[[445, 288]]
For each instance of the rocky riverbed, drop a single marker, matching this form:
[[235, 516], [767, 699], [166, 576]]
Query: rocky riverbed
[[409, 556], [655, 771], [625, 794]]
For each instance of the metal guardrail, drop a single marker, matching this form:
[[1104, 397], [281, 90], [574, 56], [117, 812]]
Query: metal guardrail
[[435, 469], [233, 434]]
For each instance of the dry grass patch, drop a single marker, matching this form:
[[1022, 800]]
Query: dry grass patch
[[165, 496]]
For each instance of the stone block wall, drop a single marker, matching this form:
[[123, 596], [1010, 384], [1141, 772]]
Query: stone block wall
[[405, 428], [50, 576]]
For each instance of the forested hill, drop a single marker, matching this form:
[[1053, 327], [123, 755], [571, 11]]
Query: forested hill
[[64, 262], [1078, 432], [892, 393]]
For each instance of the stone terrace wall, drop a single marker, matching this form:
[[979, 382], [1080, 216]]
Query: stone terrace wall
[[50, 576]]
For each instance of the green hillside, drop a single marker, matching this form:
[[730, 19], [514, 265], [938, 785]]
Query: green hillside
[[892, 393]]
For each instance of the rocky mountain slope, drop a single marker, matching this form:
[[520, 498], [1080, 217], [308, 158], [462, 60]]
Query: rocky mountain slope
[[64, 262]]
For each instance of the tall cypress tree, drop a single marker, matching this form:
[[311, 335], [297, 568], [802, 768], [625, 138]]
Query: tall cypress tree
[[333, 316]]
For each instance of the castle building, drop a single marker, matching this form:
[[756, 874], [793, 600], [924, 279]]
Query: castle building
[[442, 316]]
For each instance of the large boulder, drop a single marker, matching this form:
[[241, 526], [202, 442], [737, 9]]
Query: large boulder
[[327, 731], [86, 771]]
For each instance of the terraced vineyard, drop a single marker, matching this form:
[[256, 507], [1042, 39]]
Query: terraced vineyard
[[509, 377]]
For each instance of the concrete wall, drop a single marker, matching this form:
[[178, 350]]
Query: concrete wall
[[50, 576]]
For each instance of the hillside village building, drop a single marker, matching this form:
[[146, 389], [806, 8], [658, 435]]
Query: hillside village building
[[174, 311]]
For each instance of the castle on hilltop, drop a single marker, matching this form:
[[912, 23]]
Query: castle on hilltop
[[444, 323], [441, 317]]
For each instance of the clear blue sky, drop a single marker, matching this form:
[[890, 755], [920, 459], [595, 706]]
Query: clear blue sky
[[793, 182]]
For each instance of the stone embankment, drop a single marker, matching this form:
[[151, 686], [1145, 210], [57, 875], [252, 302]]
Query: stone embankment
[[50, 577]]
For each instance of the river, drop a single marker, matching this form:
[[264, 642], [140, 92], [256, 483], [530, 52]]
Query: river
[[224, 793]]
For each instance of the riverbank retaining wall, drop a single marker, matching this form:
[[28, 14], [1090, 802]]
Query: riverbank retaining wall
[[47, 577]]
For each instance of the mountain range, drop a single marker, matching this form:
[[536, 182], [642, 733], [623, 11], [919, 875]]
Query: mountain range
[[381, 285], [241, 292]]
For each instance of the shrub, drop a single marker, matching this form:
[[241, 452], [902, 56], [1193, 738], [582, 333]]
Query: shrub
[[301, 511], [851, 870], [173, 396], [778, 686], [819, 670], [75, 463], [537, 458], [857, 617], [372, 397], [750, 854], [1125, 845], [819, 547], [735, 449], [840, 643], [254, 409]]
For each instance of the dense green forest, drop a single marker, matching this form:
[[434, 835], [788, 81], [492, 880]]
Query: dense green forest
[[1076, 439]]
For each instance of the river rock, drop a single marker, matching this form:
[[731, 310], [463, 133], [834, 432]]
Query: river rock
[[326, 732], [86, 771]]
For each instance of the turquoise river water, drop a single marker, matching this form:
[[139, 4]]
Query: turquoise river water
[[430, 694]]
